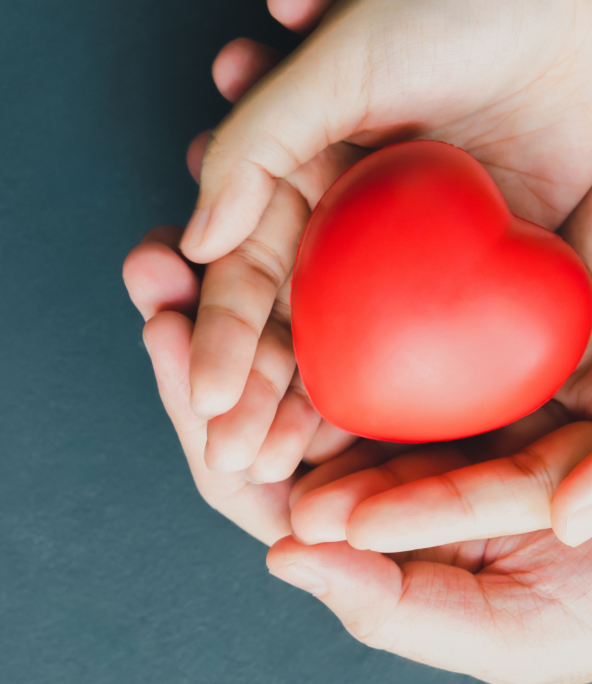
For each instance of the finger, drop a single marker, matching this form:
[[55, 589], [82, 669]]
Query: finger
[[292, 430], [235, 438], [300, 16], [468, 555], [311, 181], [195, 153], [438, 614], [269, 135], [168, 235], [571, 509], [362, 455], [326, 512], [315, 177], [260, 510], [506, 496], [323, 514], [237, 297], [158, 278], [236, 69], [240, 64], [512, 438]]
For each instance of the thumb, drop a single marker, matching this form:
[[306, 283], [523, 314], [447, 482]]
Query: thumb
[[373, 72], [429, 612], [290, 116]]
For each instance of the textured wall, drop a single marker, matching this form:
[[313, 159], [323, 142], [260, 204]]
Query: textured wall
[[112, 569]]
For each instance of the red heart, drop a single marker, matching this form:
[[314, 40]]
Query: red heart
[[423, 310]]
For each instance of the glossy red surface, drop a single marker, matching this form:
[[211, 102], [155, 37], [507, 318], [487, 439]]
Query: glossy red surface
[[423, 310]]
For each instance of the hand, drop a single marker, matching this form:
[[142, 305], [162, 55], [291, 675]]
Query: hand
[[242, 338], [166, 291], [516, 610], [373, 72], [524, 613]]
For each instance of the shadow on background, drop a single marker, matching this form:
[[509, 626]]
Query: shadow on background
[[112, 569]]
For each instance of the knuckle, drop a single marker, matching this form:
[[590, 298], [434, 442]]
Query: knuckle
[[263, 260], [237, 316], [450, 484], [367, 625], [268, 384], [532, 465]]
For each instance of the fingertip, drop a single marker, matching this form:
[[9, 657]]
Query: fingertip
[[157, 279], [194, 235], [219, 461], [362, 530], [201, 405], [316, 519], [576, 529], [195, 153], [353, 540], [250, 478], [269, 473], [156, 329], [131, 276], [240, 64], [167, 235], [298, 15], [571, 507], [211, 397], [223, 454], [146, 342], [167, 336], [281, 551], [224, 220]]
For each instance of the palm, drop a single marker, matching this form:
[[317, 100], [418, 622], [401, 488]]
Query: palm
[[529, 588], [537, 157], [436, 71]]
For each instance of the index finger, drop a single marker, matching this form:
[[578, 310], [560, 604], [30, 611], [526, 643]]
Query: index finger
[[505, 496]]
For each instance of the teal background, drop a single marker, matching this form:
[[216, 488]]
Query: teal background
[[112, 569]]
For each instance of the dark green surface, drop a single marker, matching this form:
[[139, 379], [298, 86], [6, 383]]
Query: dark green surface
[[112, 569]]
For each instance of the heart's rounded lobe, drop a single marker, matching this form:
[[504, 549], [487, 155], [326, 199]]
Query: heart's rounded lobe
[[423, 310]]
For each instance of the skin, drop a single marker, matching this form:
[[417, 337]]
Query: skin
[[392, 596]]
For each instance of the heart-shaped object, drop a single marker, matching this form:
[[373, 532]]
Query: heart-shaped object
[[423, 310]]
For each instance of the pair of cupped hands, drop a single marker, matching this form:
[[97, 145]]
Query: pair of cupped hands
[[471, 556]]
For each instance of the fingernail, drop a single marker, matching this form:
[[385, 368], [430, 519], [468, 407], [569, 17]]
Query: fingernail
[[297, 538], [302, 577], [350, 542], [146, 343], [579, 527], [196, 228], [198, 409], [250, 478]]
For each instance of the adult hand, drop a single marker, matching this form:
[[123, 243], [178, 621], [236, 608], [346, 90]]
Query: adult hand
[[512, 610], [507, 82]]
